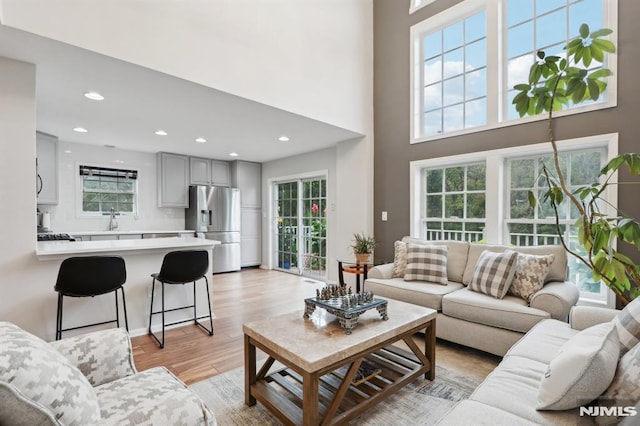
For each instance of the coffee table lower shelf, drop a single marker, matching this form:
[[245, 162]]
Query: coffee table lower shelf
[[338, 400]]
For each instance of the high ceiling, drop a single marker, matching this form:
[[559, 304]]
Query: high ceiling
[[138, 101]]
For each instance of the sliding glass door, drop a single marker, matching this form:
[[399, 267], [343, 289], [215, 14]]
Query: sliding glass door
[[300, 231]]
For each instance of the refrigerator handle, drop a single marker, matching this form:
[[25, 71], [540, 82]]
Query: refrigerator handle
[[210, 221], [206, 217]]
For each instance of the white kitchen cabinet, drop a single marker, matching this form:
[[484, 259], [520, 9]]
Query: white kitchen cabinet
[[47, 169], [220, 173], [247, 177], [199, 171], [173, 180], [250, 237]]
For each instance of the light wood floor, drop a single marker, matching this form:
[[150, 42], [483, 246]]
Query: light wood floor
[[253, 295]]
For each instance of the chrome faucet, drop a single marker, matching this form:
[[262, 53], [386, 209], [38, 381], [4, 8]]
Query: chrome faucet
[[113, 223]]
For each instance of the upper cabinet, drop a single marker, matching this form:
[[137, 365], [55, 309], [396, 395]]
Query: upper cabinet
[[247, 177], [204, 171], [173, 180], [47, 169], [220, 173], [200, 171]]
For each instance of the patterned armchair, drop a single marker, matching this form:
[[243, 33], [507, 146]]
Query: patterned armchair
[[88, 380]]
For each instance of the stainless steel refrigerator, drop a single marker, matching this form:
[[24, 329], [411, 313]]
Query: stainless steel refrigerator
[[214, 212]]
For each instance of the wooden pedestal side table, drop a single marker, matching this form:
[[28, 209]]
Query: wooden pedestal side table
[[316, 385], [354, 267]]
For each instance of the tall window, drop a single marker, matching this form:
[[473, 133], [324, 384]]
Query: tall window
[[466, 59], [454, 202], [104, 189], [484, 196], [527, 226]]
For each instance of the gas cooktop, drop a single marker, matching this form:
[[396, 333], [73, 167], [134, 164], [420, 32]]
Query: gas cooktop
[[54, 237]]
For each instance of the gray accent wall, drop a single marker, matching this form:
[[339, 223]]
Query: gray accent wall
[[392, 151]]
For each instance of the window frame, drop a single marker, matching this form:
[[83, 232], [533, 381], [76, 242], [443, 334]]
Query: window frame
[[80, 212], [496, 231], [497, 67]]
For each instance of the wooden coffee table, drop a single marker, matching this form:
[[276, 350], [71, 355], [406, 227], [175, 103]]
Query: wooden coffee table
[[310, 390]]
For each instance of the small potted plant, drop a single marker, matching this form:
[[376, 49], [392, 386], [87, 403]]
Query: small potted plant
[[363, 246]]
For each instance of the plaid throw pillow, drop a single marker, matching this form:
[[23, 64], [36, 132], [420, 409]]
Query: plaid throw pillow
[[426, 263], [493, 273], [628, 325]]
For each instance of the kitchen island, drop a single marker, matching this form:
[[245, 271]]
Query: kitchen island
[[142, 258]]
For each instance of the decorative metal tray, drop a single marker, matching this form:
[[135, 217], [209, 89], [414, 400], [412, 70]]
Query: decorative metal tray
[[347, 308]]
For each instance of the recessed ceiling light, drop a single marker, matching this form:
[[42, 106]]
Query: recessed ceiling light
[[80, 130], [67, 151], [233, 154], [120, 161], [94, 96], [283, 139], [161, 133], [201, 140]]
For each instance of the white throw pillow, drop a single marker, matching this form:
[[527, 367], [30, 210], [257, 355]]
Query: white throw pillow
[[628, 325], [399, 259], [493, 273], [531, 271], [624, 390], [582, 370], [426, 263]]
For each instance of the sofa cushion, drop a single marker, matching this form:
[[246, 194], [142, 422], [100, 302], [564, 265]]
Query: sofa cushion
[[426, 263], [582, 370], [511, 312], [38, 376], [557, 272], [399, 259], [493, 273], [543, 342], [513, 387], [456, 255], [154, 396], [416, 292], [628, 325], [623, 390], [531, 272]]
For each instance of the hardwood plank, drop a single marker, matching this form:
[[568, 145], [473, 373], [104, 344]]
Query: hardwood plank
[[254, 295]]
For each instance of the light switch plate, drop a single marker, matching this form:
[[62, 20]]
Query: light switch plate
[[384, 216]]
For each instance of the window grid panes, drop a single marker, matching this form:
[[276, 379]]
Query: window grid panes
[[528, 226], [454, 202], [548, 25], [455, 77], [468, 58], [107, 189]]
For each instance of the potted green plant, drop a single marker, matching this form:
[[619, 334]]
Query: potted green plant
[[554, 82], [363, 245]]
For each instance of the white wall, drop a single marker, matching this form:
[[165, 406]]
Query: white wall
[[311, 57], [65, 216]]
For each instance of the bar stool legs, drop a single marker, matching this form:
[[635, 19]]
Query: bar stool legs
[[195, 318]]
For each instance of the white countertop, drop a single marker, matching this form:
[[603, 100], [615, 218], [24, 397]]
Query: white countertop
[[52, 250], [129, 232]]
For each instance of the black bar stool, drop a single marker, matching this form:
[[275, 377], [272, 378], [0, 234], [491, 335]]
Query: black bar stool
[[181, 267], [88, 277]]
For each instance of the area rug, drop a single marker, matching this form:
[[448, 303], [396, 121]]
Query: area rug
[[420, 403]]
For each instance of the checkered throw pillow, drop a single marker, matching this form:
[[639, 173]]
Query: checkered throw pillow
[[493, 273], [426, 263], [628, 325]]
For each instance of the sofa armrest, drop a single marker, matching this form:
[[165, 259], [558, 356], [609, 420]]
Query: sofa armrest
[[557, 298], [102, 356], [582, 317], [381, 271]]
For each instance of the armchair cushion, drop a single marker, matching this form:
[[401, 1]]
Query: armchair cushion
[[153, 397], [36, 376], [102, 356]]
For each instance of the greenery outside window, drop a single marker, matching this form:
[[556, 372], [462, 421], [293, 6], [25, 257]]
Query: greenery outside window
[[104, 189], [482, 196]]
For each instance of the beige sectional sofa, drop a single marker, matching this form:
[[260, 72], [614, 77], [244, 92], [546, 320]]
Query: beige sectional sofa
[[475, 319], [509, 395]]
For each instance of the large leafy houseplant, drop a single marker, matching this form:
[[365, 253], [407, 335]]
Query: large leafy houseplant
[[555, 82]]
